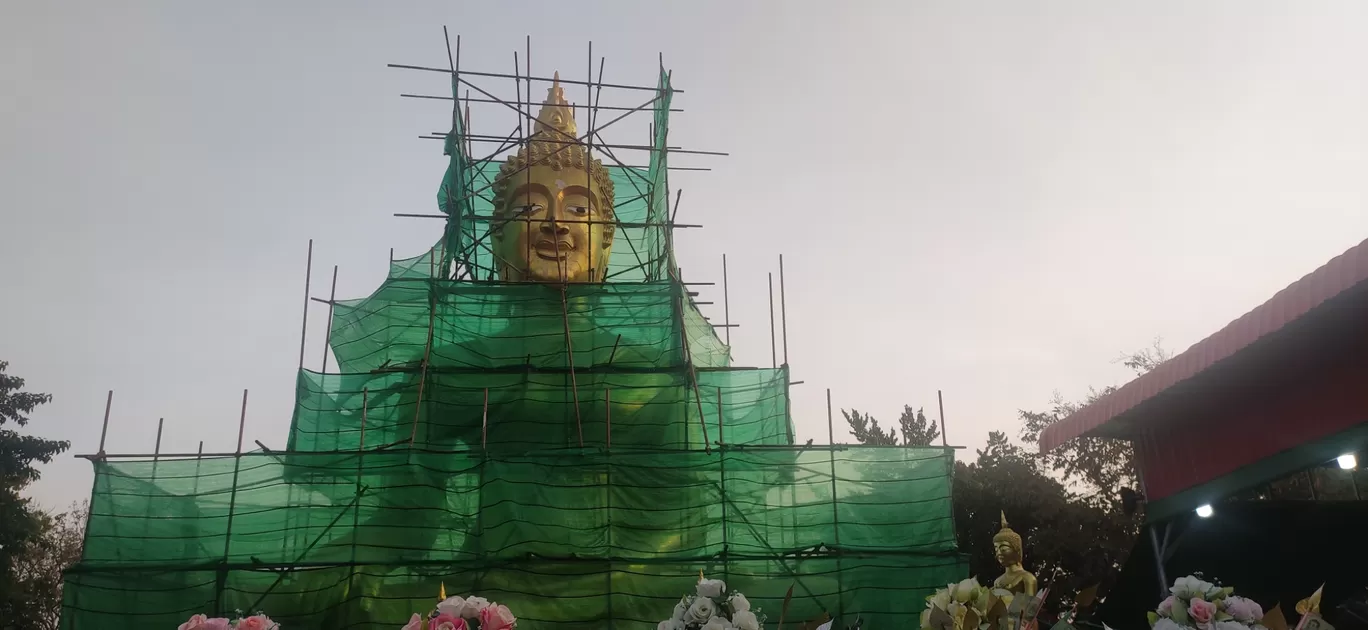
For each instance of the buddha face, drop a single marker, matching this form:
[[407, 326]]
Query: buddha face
[[1006, 553], [548, 236]]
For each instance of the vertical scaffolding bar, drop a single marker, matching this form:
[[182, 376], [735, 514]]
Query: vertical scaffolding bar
[[104, 426], [304, 327], [940, 401], [726, 305], [608, 412], [232, 498], [722, 487], [774, 361], [327, 337], [783, 309], [360, 470], [835, 512]]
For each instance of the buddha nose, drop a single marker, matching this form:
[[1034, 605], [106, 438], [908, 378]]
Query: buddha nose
[[552, 226]]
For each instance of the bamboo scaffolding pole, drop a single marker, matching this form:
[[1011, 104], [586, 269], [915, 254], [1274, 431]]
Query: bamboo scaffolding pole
[[304, 327]]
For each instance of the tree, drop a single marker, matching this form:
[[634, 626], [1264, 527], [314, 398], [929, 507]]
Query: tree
[[866, 429], [1065, 504], [20, 526], [1100, 466], [39, 568], [915, 428]]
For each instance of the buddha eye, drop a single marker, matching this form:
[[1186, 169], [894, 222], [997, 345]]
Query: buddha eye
[[579, 211], [530, 208]]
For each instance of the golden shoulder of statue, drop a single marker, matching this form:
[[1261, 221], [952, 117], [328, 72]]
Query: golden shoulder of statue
[[1007, 547], [553, 204]]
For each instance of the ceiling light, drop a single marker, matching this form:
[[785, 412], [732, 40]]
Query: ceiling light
[[1205, 511], [1347, 461]]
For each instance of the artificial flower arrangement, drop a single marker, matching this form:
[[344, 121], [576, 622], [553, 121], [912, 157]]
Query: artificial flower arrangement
[[969, 605], [1196, 603], [713, 608], [258, 621], [464, 613]]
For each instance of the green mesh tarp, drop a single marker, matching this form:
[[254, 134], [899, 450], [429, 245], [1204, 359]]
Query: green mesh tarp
[[568, 540], [578, 452]]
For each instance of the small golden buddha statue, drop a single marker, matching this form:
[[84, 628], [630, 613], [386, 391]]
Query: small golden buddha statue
[[553, 204], [1007, 547]]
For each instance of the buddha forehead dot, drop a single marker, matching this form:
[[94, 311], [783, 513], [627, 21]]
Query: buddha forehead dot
[[560, 184]]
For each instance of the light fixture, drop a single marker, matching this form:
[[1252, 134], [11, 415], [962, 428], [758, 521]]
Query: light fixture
[[1347, 461], [1205, 511]]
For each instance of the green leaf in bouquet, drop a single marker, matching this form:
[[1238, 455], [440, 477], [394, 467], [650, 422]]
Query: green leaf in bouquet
[[1154, 617], [1063, 623], [1179, 613]]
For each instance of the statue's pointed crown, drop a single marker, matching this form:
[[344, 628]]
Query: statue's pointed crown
[[557, 117], [1005, 532]]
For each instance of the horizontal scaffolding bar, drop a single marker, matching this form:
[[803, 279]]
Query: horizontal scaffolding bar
[[499, 75], [628, 147], [550, 453], [590, 221], [470, 99]]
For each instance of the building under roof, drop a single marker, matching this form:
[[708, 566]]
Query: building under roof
[[1277, 395], [1281, 389]]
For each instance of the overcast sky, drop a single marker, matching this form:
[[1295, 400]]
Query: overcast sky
[[995, 199]]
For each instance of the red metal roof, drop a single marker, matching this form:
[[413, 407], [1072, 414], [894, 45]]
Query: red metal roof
[[1340, 274]]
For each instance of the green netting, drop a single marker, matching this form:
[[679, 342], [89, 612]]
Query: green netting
[[569, 540], [578, 452], [518, 410]]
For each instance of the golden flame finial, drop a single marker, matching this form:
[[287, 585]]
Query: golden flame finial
[[556, 115], [1312, 603], [1003, 514], [441, 592]]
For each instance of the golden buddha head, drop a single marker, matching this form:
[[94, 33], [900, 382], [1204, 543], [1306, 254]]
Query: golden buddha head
[[1007, 545], [553, 204]]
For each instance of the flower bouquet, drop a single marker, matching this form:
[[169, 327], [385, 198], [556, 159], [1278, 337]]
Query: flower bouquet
[[1196, 603], [969, 605], [258, 621], [464, 613], [713, 608], [962, 606]]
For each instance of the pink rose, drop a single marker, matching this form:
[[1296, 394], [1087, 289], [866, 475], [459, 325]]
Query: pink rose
[[415, 623], [201, 622], [1244, 610], [1165, 608], [447, 622], [256, 622], [1201, 612], [497, 617]]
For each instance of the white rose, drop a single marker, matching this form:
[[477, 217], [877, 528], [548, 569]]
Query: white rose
[[1189, 587], [711, 588], [681, 608], [473, 606], [718, 623], [739, 603], [1165, 623], [670, 624], [964, 590], [745, 620], [1228, 625], [940, 600], [451, 606], [700, 611]]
